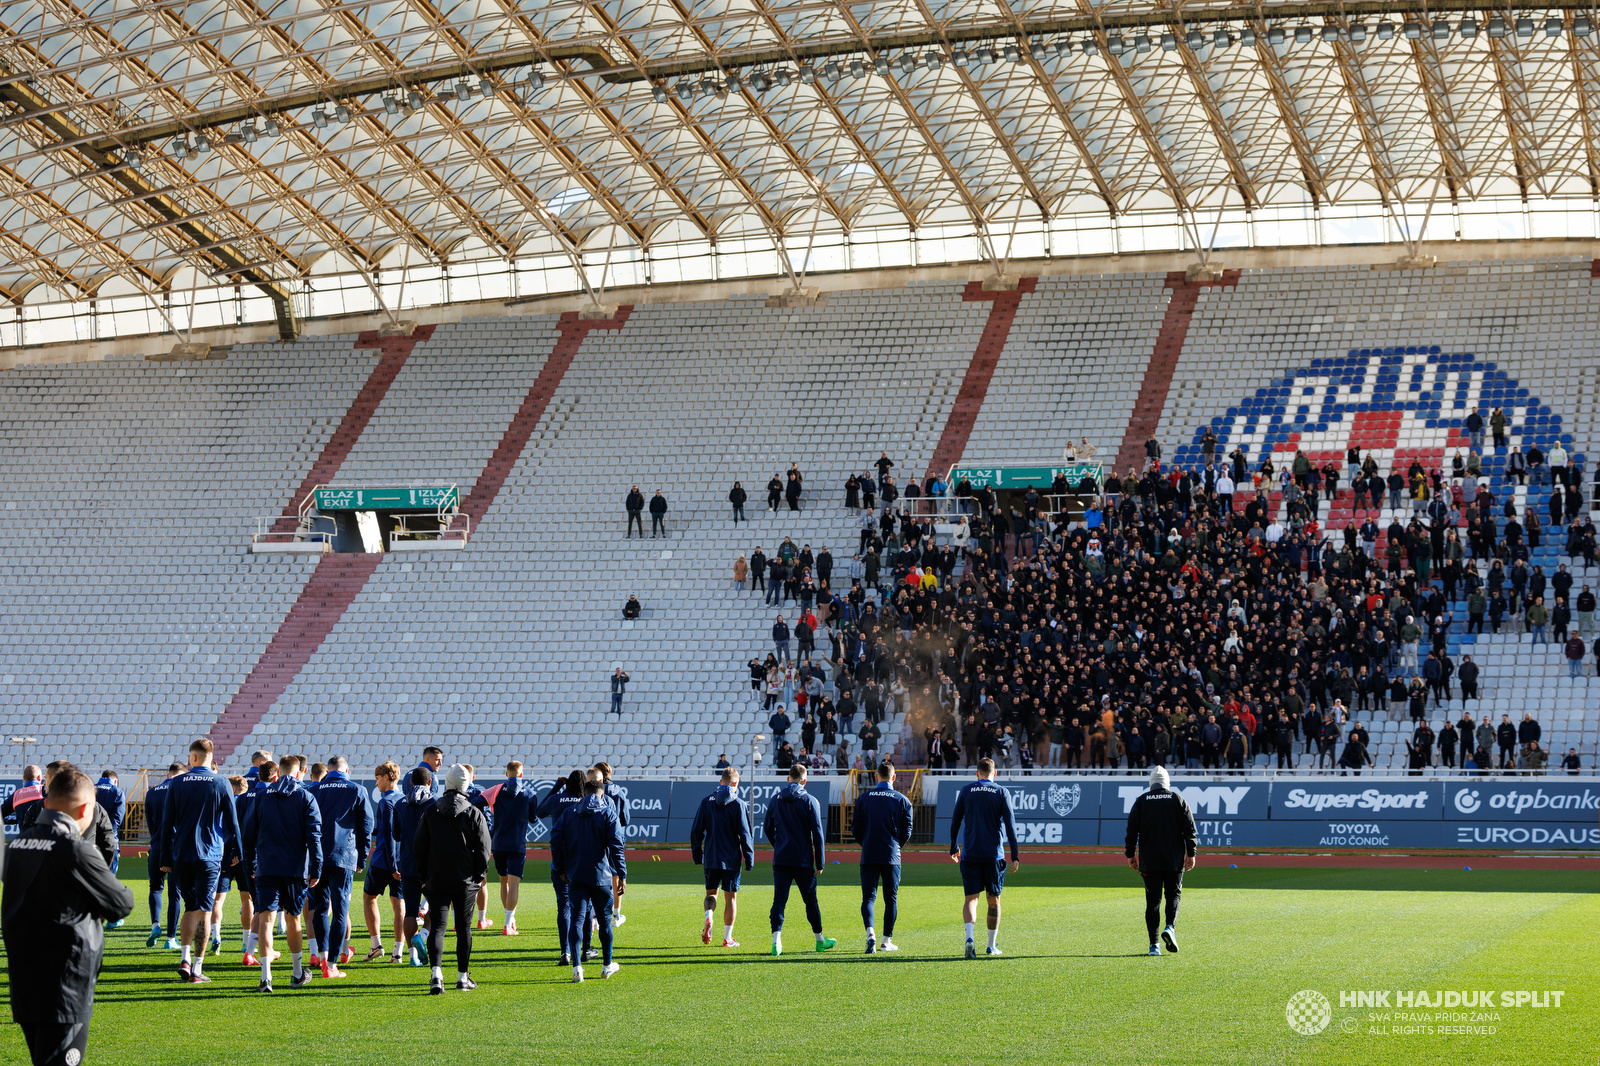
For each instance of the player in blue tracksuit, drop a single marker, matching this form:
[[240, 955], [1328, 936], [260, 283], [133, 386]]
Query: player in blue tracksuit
[[620, 801], [586, 845], [243, 879], [244, 876], [719, 840], [111, 799], [794, 829], [403, 823], [881, 823], [346, 832], [432, 759], [552, 806], [155, 798], [979, 831], [109, 795], [381, 876], [508, 841], [283, 846], [198, 821]]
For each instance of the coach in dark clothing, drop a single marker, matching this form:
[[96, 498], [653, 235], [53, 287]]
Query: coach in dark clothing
[[1160, 845], [58, 891], [452, 853]]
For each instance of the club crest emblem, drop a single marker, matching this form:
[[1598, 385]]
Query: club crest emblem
[[1064, 798]]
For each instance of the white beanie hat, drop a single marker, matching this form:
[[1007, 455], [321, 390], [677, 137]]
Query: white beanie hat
[[456, 778], [1158, 777]]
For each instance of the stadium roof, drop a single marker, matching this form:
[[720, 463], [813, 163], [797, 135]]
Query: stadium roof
[[242, 140]]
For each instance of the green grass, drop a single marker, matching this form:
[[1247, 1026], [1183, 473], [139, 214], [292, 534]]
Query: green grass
[[1073, 987]]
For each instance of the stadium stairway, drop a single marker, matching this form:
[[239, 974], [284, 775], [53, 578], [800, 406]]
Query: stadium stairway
[[393, 352], [1163, 362], [1070, 368], [980, 372]]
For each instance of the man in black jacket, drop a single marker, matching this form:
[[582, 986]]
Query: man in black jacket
[[452, 853], [658, 515], [737, 496], [635, 506], [1160, 846], [1506, 738], [758, 570], [58, 891], [1469, 679]]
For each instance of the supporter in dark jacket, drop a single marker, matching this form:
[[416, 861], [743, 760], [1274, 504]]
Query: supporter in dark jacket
[[635, 507], [658, 515]]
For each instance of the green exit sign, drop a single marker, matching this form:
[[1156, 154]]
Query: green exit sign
[[411, 499], [1022, 477]]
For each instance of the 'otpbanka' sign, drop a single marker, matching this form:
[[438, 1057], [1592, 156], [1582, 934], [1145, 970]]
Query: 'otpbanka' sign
[[433, 499], [1022, 477]]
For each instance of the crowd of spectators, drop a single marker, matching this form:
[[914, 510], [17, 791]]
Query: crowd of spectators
[[1182, 617]]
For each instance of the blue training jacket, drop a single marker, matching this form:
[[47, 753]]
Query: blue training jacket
[[242, 805], [437, 788], [587, 843], [794, 827], [346, 820], [403, 822], [553, 805], [881, 822], [283, 831], [512, 805], [198, 818], [109, 796], [983, 809], [383, 831], [155, 801], [720, 836]]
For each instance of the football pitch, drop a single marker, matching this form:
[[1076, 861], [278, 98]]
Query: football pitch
[[1074, 984]]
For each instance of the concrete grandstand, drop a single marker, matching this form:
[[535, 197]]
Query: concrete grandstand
[[137, 617]]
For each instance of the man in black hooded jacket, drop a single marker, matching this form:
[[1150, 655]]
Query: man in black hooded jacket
[[58, 891], [452, 854]]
